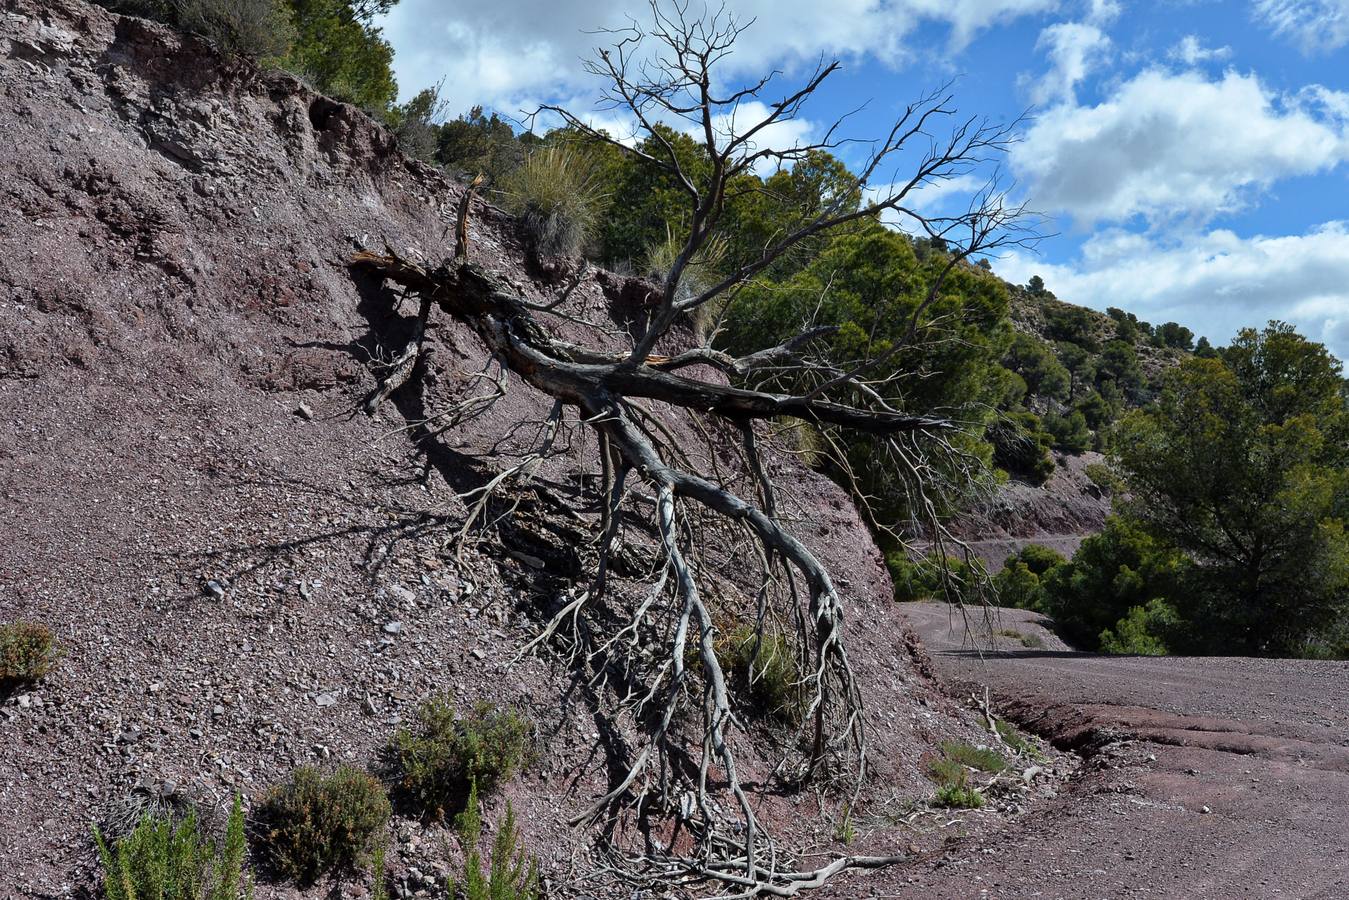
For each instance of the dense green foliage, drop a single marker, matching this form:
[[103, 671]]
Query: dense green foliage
[[331, 43], [442, 757], [166, 860], [1232, 499], [27, 652], [315, 823], [1243, 467]]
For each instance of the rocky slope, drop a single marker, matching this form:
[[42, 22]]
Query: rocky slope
[[244, 573]]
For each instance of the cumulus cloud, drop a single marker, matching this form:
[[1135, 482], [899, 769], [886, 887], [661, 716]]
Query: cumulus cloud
[[1315, 25], [505, 54], [1074, 49], [1192, 52], [1168, 146], [1213, 282]]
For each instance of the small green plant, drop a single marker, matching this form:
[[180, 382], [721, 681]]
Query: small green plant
[[951, 773], [27, 653], [442, 756], [558, 200], [379, 873], [982, 758], [766, 666], [1103, 477], [958, 797], [1015, 739], [513, 874], [315, 824], [845, 832], [166, 860]]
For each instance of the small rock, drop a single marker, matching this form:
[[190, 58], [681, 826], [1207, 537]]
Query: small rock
[[214, 589], [479, 653], [25, 701], [1205, 810], [393, 628], [304, 412], [324, 700], [218, 711]]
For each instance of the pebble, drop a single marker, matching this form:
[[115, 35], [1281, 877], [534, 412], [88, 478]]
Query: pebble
[[214, 589], [304, 412], [323, 700], [393, 628]]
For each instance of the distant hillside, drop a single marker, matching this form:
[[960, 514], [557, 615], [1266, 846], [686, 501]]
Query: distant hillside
[[1072, 372]]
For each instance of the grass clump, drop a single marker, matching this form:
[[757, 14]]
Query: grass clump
[[1015, 739], [27, 653], [766, 667], [558, 200], [164, 860], [513, 873], [442, 758], [315, 823], [951, 771], [981, 758]]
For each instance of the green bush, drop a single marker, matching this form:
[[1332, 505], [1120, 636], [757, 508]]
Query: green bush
[[442, 757], [1070, 432], [558, 200], [164, 860], [27, 653], [1143, 631], [1021, 446], [316, 824], [258, 29], [767, 670], [513, 875], [958, 797]]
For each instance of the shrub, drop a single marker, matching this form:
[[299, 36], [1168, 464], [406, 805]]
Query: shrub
[[1103, 477], [27, 653], [1142, 631], [961, 797], [258, 29], [443, 757], [558, 200], [767, 668], [315, 823], [1021, 447], [513, 875], [161, 860]]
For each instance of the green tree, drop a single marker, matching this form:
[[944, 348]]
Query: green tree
[[342, 54], [1243, 465], [477, 142], [1033, 360], [870, 284]]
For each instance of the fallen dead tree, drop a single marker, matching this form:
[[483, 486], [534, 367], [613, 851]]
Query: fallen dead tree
[[666, 651]]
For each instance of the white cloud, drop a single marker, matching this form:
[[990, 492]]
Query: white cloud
[[1213, 282], [1074, 49], [1316, 25], [506, 52], [1192, 52], [1169, 146]]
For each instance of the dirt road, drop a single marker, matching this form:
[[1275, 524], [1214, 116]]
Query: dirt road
[[1215, 777]]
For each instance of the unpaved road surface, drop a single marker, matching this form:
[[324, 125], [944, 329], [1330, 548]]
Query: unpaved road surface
[[1214, 777]]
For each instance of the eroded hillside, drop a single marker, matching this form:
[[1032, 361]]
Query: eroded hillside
[[243, 571]]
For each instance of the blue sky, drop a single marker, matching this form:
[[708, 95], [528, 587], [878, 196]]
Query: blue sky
[[1192, 157]]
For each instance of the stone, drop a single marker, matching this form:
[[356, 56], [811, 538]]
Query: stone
[[393, 627], [304, 412], [213, 588], [325, 700]]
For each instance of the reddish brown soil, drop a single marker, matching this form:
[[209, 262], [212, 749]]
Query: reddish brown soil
[[1205, 777], [173, 286]]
